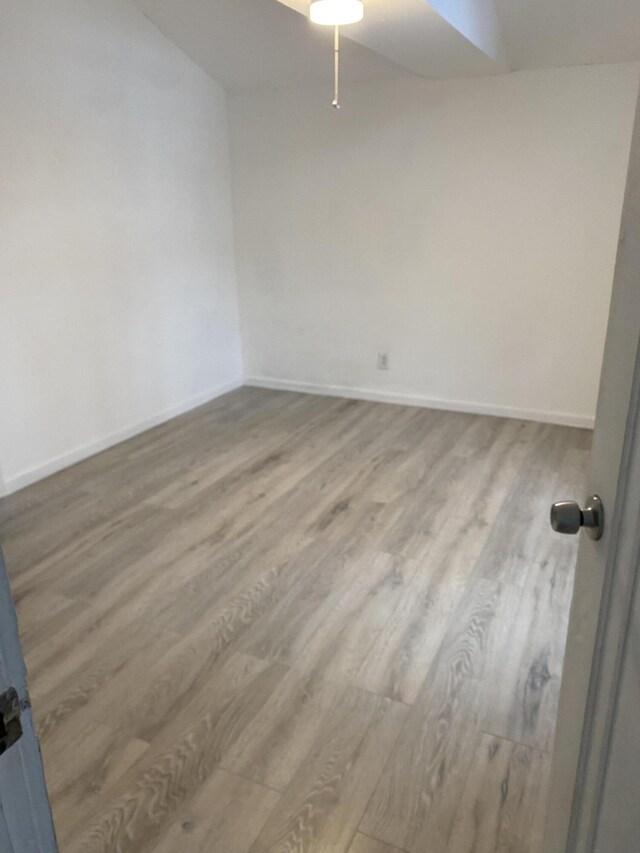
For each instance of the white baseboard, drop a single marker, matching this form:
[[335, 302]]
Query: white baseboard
[[8, 485], [561, 418], [64, 460]]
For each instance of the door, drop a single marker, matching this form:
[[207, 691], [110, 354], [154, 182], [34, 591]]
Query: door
[[617, 825], [606, 568], [25, 817]]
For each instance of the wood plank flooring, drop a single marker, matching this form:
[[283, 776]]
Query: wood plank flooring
[[293, 624]]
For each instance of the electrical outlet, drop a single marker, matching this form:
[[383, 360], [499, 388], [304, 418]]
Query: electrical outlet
[[383, 361]]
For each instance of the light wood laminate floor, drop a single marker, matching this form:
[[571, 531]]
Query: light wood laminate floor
[[299, 624]]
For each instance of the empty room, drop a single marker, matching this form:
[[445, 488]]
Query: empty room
[[319, 426]]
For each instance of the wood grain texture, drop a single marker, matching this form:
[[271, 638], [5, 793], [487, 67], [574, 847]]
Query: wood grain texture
[[363, 844], [137, 811], [292, 623], [225, 817], [322, 807], [527, 666], [82, 762], [502, 806], [415, 801]]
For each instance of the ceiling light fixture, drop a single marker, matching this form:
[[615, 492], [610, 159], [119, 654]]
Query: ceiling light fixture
[[336, 14]]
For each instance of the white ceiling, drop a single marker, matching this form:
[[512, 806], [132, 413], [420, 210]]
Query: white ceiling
[[414, 34], [248, 45], [259, 44]]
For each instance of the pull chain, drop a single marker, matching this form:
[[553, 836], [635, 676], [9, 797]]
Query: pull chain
[[336, 69]]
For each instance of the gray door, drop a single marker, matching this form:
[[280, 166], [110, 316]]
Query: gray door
[[584, 766], [25, 816]]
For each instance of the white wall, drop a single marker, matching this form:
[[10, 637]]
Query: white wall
[[117, 285], [468, 228]]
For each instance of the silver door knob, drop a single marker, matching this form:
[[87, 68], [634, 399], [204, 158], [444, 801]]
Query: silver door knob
[[569, 517]]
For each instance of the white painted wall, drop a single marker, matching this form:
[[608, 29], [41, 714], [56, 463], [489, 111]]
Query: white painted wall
[[117, 286], [468, 228]]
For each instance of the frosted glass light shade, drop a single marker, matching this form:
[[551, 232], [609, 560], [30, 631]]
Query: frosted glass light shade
[[336, 13]]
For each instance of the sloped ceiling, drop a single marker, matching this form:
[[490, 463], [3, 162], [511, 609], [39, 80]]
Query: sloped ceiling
[[423, 37], [250, 45]]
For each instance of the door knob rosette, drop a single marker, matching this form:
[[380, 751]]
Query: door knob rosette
[[569, 517]]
